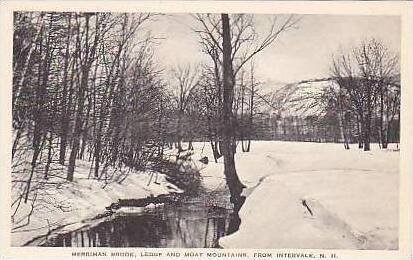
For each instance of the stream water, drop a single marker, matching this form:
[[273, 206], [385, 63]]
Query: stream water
[[191, 223]]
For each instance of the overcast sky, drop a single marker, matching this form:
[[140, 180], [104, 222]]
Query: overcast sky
[[298, 54]]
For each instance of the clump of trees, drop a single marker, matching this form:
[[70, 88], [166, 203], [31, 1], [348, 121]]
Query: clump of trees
[[368, 91], [186, 95], [85, 86]]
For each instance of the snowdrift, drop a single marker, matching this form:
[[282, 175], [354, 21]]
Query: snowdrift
[[353, 196]]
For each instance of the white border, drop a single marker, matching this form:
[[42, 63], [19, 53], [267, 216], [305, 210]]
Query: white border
[[403, 9]]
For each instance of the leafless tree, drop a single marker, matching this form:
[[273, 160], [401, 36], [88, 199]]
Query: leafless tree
[[365, 74], [232, 42], [186, 80]]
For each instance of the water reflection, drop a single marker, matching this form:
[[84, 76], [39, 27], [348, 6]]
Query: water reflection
[[189, 225]]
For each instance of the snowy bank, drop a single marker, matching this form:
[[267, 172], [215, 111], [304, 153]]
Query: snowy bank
[[353, 196], [85, 198]]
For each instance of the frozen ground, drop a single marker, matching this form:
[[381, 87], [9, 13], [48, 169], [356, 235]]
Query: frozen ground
[[353, 196]]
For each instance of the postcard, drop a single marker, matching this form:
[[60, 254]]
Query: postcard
[[206, 129]]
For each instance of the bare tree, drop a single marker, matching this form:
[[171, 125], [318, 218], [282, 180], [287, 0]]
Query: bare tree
[[186, 81], [86, 59], [365, 74], [239, 45]]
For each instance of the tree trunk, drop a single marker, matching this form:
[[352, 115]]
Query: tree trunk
[[49, 155], [16, 141], [250, 121], [77, 131], [215, 150], [179, 132], [232, 179], [342, 123], [360, 131], [64, 121], [98, 145], [85, 131], [367, 131], [242, 126], [385, 123]]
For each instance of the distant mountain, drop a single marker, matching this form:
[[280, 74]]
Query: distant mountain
[[302, 98]]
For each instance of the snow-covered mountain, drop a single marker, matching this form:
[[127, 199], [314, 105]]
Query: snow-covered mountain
[[302, 98]]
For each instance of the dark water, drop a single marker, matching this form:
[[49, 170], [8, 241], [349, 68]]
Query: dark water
[[190, 224]]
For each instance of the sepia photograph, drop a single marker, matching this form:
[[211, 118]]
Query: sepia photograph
[[205, 130]]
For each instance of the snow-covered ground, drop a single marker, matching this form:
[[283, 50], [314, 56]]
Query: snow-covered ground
[[84, 198], [353, 196]]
